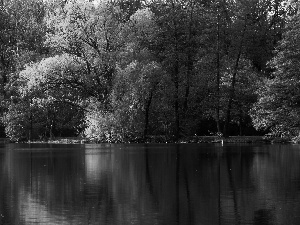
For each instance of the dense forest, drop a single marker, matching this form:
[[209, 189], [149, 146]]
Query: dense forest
[[118, 70]]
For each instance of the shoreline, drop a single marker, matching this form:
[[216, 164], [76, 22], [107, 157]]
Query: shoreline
[[164, 139]]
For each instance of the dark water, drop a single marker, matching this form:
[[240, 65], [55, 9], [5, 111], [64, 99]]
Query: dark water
[[149, 184]]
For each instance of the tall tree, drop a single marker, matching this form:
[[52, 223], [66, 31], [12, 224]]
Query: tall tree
[[176, 45], [92, 33], [247, 30], [277, 109], [22, 32]]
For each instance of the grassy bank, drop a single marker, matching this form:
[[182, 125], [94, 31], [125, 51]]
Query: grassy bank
[[230, 139], [217, 139], [166, 139]]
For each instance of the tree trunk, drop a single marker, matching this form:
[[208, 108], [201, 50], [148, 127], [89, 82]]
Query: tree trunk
[[218, 75], [175, 76], [31, 122], [189, 63], [187, 87], [233, 81], [241, 122], [176, 99], [147, 109], [231, 96]]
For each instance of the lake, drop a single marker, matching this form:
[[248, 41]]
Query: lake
[[149, 184]]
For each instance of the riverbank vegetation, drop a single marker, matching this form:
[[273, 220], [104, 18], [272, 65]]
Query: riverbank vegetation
[[119, 70]]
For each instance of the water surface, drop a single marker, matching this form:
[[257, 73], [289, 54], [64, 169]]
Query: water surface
[[149, 184]]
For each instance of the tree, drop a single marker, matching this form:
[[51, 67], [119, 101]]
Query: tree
[[49, 101], [176, 46], [277, 109], [22, 32], [241, 30], [133, 85], [133, 68], [22, 35], [94, 35]]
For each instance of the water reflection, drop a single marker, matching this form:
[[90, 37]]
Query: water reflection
[[149, 184]]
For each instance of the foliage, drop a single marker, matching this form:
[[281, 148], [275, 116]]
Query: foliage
[[277, 108], [16, 125], [48, 101], [121, 70]]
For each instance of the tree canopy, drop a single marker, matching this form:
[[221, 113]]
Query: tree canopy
[[277, 108], [123, 70]]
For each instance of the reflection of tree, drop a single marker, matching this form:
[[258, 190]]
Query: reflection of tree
[[177, 184], [147, 184], [188, 196], [5, 214], [219, 154], [232, 187], [263, 217], [276, 176], [148, 175], [8, 188], [31, 174]]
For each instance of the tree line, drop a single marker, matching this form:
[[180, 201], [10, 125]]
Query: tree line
[[118, 70]]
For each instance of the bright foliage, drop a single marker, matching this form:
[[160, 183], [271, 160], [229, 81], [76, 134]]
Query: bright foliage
[[122, 70]]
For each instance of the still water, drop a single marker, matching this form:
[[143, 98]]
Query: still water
[[149, 184]]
